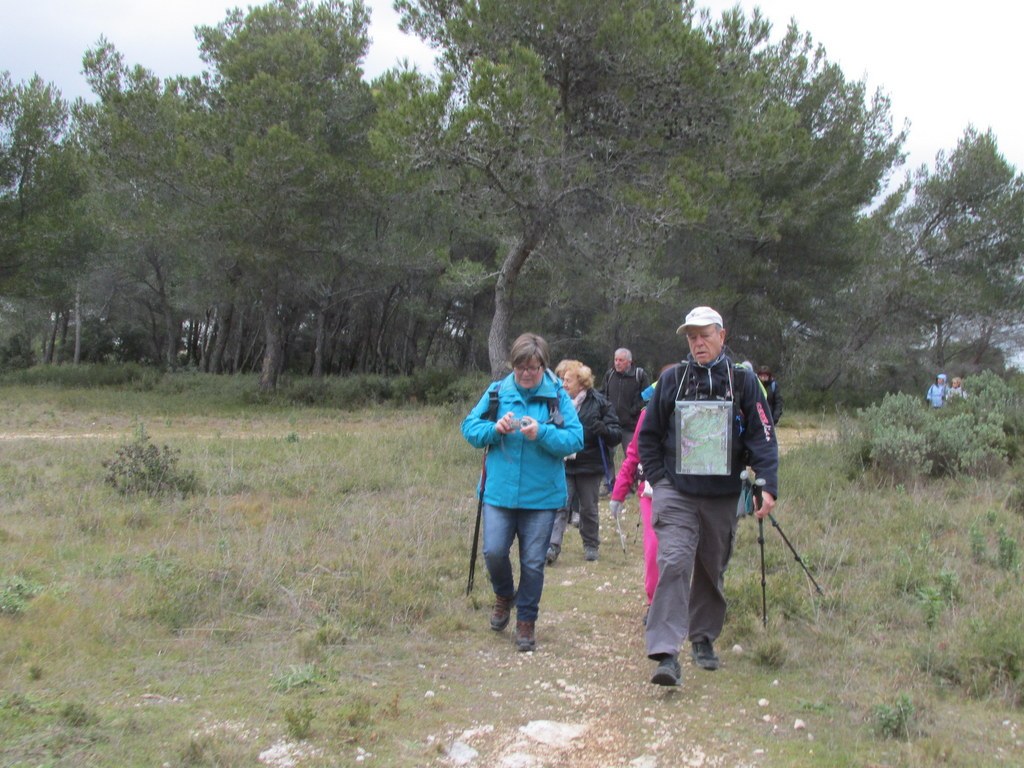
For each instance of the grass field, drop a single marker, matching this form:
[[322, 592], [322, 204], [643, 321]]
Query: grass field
[[306, 606]]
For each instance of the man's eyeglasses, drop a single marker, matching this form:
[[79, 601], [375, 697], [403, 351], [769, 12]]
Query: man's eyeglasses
[[522, 369]]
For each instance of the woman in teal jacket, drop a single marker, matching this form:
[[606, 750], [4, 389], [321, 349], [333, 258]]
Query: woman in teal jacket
[[528, 424]]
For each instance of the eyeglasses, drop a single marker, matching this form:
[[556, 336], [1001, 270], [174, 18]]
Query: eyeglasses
[[524, 369]]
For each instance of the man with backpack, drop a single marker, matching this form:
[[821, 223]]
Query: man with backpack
[[623, 385], [707, 421], [771, 389]]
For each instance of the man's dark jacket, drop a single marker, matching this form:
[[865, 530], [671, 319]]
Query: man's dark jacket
[[753, 437], [623, 391]]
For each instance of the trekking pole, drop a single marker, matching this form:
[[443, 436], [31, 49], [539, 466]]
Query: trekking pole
[[795, 554], [476, 528], [609, 483], [755, 488]]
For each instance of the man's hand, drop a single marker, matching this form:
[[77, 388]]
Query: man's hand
[[767, 505]]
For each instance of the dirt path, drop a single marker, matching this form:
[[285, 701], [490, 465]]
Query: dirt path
[[584, 699]]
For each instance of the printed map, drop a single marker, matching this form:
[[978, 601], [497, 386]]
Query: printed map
[[704, 428]]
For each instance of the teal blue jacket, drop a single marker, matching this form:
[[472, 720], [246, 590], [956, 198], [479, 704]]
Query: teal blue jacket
[[521, 473]]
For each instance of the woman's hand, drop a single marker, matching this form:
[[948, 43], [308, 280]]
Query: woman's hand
[[529, 427]]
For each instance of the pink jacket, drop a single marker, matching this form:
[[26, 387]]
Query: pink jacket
[[625, 480]]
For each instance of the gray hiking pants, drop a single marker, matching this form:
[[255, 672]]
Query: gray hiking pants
[[584, 491], [695, 541]]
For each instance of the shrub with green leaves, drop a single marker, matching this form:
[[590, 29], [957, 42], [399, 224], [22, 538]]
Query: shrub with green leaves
[[893, 721], [15, 594], [902, 439], [141, 467]]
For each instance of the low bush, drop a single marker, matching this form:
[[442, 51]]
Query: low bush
[[87, 376], [894, 720], [903, 440], [15, 594], [141, 467]]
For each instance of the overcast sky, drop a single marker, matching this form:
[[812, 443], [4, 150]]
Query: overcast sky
[[944, 65]]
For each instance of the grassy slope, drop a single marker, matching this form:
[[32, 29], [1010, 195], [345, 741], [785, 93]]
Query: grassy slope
[[315, 587]]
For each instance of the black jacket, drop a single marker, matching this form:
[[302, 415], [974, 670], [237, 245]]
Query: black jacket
[[599, 421], [753, 437], [623, 391]]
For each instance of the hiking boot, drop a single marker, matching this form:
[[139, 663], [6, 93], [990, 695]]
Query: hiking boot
[[590, 554], [704, 655], [574, 519], [668, 672], [501, 612], [553, 552], [525, 639]]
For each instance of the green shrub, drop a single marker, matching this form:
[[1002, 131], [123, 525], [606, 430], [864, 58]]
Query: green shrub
[[15, 594], [88, 376], [903, 440], [77, 716], [893, 721], [890, 437], [16, 353], [141, 467]]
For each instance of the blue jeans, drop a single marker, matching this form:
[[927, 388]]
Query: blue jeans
[[533, 527]]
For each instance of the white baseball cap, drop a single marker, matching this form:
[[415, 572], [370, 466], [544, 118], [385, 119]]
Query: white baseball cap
[[700, 317]]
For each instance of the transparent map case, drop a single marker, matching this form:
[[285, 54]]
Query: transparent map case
[[704, 435]]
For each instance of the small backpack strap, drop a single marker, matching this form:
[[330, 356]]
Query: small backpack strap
[[492, 403]]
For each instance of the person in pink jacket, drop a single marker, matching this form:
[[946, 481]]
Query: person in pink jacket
[[630, 476]]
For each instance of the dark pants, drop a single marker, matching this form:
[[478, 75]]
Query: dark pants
[[583, 490], [695, 541]]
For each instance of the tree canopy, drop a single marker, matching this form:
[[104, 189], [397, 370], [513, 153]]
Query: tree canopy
[[583, 169]]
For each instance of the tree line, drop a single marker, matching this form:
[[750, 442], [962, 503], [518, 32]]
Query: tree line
[[585, 169]]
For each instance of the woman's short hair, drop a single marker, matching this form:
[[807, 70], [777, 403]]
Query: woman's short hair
[[566, 365], [529, 347], [585, 376]]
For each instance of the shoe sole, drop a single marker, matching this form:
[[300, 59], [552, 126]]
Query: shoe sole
[[665, 678], [501, 626]]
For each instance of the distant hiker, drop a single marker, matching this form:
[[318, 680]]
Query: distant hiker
[[956, 388], [936, 395], [772, 391], [525, 477], [622, 385], [697, 488], [588, 467], [631, 478]]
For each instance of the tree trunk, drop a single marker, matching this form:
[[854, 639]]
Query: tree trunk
[[318, 346], [50, 342], [78, 324], [62, 323], [273, 351], [224, 314], [940, 344], [504, 295]]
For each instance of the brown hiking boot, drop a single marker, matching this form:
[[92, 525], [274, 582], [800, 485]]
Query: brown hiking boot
[[525, 639], [501, 612]]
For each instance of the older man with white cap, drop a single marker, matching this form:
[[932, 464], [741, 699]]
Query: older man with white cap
[[707, 421]]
